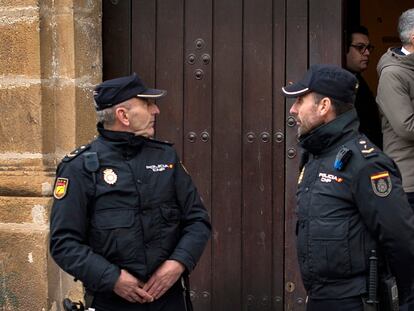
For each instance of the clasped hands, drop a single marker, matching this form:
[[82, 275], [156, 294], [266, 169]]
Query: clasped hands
[[130, 288]]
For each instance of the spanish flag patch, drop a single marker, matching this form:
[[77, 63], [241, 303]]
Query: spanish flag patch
[[61, 188], [381, 184]]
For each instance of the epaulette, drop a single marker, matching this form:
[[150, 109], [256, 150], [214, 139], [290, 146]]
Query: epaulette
[[70, 156], [366, 148]]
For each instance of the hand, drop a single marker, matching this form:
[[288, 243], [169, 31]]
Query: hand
[[163, 278], [130, 288]]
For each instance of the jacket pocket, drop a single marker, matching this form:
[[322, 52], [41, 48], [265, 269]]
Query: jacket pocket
[[114, 235], [302, 227], [329, 248], [170, 225]]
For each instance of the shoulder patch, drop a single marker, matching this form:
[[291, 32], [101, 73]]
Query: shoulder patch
[[381, 183], [75, 153], [61, 188], [366, 148]]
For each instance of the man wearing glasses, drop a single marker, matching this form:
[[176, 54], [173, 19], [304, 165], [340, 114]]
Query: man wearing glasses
[[357, 60], [395, 98]]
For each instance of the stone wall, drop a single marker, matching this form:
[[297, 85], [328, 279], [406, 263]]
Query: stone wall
[[50, 59]]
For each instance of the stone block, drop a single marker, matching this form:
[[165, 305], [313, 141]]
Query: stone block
[[48, 42], [85, 115], [26, 183], [19, 51], [20, 109], [18, 3], [23, 267], [25, 210], [64, 45], [93, 7], [49, 131], [88, 45], [65, 116]]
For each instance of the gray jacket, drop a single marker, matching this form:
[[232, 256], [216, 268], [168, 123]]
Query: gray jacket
[[395, 98]]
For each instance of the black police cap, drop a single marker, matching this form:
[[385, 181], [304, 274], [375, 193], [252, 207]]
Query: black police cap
[[329, 80], [112, 92]]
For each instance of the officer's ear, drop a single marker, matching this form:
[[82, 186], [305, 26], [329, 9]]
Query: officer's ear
[[326, 109], [121, 114], [324, 106]]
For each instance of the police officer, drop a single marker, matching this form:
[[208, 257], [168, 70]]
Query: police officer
[[127, 220], [349, 198]]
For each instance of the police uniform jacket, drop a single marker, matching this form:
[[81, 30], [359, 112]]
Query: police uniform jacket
[[344, 212], [138, 209]]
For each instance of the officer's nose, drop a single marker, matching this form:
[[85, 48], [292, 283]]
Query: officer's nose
[[154, 109], [293, 110]]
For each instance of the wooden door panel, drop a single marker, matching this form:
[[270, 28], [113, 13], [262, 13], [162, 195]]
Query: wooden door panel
[[197, 125], [257, 151], [170, 71], [116, 39], [143, 47], [227, 156], [325, 23], [296, 65], [223, 64], [278, 166]]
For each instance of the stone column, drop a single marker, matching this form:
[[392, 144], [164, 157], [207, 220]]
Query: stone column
[[50, 59]]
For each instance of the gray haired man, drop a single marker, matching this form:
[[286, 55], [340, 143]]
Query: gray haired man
[[395, 98]]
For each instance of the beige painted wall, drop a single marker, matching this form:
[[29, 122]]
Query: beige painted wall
[[50, 59]]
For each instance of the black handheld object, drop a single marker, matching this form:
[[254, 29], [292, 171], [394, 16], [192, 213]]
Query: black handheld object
[[373, 278], [68, 305], [390, 294]]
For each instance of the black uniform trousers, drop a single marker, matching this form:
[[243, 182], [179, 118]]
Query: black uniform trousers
[[172, 300], [345, 304]]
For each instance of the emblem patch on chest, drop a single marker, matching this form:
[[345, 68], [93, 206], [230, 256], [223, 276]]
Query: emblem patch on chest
[[381, 184], [110, 176], [159, 167], [328, 178]]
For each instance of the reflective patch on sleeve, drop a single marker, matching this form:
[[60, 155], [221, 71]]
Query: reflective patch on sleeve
[[381, 184], [61, 188]]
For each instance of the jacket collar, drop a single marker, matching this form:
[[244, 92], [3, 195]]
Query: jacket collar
[[328, 136], [125, 142]]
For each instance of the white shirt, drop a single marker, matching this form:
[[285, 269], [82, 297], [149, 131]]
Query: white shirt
[[405, 51]]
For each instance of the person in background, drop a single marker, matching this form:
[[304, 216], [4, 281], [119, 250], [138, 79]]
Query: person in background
[[359, 49], [395, 98], [127, 219]]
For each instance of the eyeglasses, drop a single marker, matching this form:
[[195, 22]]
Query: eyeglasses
[[361, 48]]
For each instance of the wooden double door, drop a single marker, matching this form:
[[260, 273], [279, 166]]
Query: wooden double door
[[223, 63]]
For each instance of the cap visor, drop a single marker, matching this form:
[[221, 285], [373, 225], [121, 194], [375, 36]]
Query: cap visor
[[295, 90], [152, 93]]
